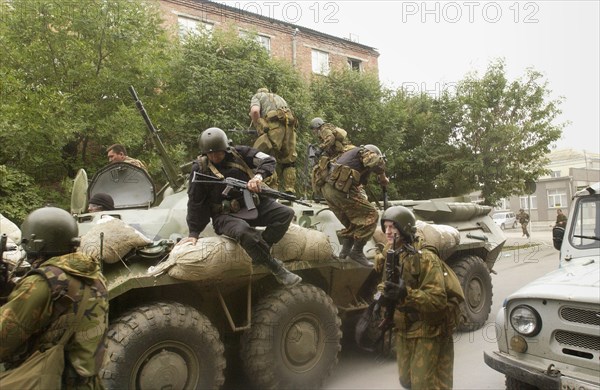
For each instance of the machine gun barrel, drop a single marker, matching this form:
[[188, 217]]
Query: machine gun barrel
[[175, 180]]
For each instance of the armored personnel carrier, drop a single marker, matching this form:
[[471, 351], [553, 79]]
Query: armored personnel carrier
[[181, 332]]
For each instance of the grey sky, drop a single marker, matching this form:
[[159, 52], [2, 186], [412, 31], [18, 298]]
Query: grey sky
[[431, 45]]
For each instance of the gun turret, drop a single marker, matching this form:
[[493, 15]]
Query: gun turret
[[176, 181]]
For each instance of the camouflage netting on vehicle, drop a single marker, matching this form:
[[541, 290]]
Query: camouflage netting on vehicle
[[300, 243], [443, 238], [119, 239]]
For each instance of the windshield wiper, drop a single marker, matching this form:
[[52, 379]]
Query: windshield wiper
[[588, 237]]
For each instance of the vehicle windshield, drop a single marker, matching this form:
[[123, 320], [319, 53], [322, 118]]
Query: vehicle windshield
[[586, 231], [498, 216]]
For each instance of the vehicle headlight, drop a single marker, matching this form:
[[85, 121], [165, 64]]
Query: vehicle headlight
[[525, 320]]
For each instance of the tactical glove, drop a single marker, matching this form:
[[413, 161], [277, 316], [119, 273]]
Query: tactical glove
[[395, 292]]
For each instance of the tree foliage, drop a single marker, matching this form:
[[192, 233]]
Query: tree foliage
[[67, 66], [504, 132]]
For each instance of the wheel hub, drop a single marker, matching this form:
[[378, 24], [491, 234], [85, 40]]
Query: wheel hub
[[164, 370], [301, 343], [475, 294]]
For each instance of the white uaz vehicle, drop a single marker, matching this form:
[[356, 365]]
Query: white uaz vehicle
[[548, 332]]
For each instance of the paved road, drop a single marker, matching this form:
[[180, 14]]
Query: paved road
[[514, 269]]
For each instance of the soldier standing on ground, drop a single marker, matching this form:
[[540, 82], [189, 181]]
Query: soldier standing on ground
[[229, 214], [561, 219], [523, 218], [118, 153], [344, 192], [427, 297], [276, 126], [43, 304]]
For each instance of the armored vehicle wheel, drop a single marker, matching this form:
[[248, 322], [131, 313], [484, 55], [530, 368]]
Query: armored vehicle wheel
[[476, 283], [294, 339], [163, 345]]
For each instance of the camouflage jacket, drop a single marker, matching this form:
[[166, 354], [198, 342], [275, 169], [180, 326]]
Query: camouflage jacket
[[267, 102], [423, 312], [333, 140], [135, 162], [35, 316]]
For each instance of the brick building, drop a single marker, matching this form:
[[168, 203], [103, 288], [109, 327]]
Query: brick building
[[310, 51]]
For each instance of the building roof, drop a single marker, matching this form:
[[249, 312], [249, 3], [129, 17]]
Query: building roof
[[268, 19]]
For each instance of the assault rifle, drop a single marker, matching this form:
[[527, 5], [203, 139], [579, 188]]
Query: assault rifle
[[393, 273], [4, 279], [242, 186]]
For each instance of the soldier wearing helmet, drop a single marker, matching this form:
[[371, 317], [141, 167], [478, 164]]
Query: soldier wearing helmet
[[344, 192], [333, 140], [229, 214], [427, 296], [61, 285], [276, 126]]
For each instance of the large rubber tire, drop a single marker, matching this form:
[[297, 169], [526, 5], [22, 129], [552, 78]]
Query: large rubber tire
[[294, 340], [476, 283], [163, 345], [515, 384]]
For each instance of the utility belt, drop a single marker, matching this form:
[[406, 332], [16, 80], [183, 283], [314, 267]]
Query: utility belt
[[283, 116], [342, 177], [232, 206]]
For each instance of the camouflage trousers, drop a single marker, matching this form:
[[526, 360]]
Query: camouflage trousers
[[354, 211], [425, 362], [280, 142], [524, 228]]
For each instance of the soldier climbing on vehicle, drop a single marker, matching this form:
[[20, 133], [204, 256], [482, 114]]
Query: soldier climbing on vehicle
[[230, 214]]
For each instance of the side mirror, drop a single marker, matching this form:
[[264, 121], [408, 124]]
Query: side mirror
[[558, 234]]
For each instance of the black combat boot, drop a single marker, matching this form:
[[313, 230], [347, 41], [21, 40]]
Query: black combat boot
[[282, 275], [357, 254], [347, 243]]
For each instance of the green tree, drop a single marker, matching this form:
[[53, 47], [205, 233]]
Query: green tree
[[65, 68], [504, 132]]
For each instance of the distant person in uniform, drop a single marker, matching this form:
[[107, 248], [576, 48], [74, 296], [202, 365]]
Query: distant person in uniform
[[118, 153], [523, 218], [276, 126], [333, 140], [101, 202], [561, 219]]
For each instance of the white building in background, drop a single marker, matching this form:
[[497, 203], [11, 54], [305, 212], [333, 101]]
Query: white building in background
[[570, 171]]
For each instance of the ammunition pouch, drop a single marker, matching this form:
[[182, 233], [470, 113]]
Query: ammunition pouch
[[232, 206], [342, 177]]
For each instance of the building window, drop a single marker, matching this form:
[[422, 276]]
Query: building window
[[503, 204], [320, 62], [555, 174], [263, 40], [189, 26], [355, 64], [557, 198], [523, 202]]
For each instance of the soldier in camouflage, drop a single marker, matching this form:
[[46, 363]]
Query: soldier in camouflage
[[276, 126], [427, 310], [333, 140], [118, 153], [344, 192], [42, 305]]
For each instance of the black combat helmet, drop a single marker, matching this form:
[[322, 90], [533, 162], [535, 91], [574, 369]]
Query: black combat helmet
[[213, 139], [316, 123], [49, 231], [403, 219]]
